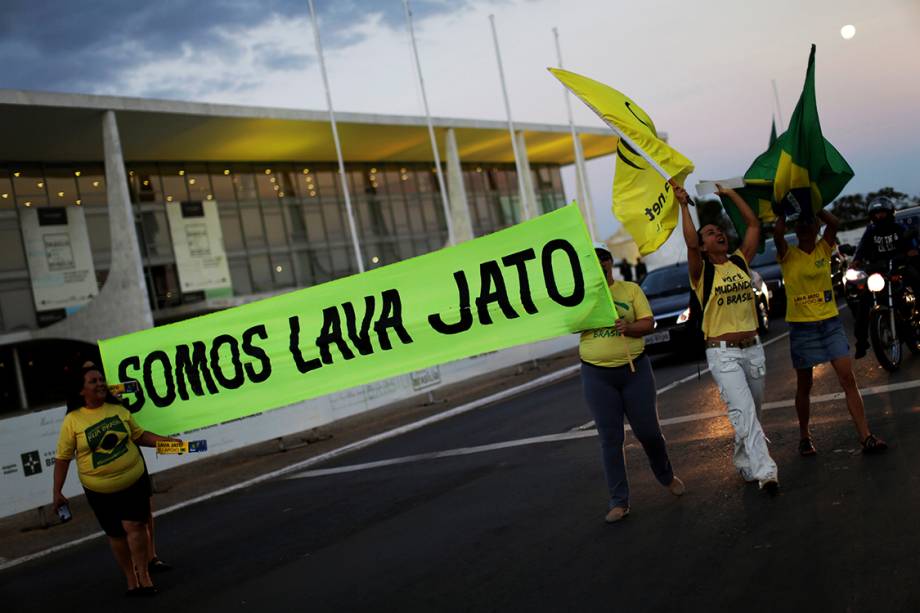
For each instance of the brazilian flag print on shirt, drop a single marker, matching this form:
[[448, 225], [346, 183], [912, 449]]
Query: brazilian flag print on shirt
[[101, 441]]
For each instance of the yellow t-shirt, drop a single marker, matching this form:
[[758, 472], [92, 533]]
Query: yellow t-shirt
[[607, 347], [809, 291], [731, 302], [103, 442]]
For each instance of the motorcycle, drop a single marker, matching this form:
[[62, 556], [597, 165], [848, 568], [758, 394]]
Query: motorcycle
[[895, 316]]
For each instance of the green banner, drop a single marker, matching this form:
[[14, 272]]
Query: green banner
[[530, 282]]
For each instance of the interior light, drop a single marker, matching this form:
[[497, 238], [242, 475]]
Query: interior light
[[76, 173], [312, 193], [169, 198], [146, 182], [373, 171], [281, 194], [268, 171], [5, 196], [226, 171], [275, 187], [479, 169], [181, 173], [192, 181], [60, 194], [130, 173], [375, 259], [78, 202], [279, 268], [403, 170], [27, 203], [95, 183], [306, 171], [40, 184], [273, 179], [404, 178], [16, 174], [210, 196]]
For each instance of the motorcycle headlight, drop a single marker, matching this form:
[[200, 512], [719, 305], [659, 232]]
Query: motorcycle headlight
[[876, 282], [853, 274], [684, 317]]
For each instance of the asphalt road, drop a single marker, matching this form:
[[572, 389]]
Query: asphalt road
[[505, 524]]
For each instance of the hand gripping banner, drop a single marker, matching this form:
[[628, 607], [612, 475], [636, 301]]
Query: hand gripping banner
[[530, 282]]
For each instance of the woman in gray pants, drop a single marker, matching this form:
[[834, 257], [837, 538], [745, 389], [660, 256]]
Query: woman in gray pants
[[618, 381]]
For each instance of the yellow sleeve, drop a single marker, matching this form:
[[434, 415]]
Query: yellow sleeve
[[67, 441], [136, 431], [640, 304]]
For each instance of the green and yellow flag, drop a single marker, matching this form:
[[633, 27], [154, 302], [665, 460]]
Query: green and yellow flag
[[642, 196], [802, 157]]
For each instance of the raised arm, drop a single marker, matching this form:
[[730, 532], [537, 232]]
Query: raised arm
[[751, 237], [779, 236], [694, 259], [831, 225]]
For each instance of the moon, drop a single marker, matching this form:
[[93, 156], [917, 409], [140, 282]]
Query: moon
[[848, 31]]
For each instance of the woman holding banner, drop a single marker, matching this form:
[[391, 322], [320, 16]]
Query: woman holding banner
[[103, 437], [722, 284], [618, 381], [816, 335]]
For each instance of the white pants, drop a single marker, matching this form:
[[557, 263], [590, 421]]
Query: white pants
[[739, 373]]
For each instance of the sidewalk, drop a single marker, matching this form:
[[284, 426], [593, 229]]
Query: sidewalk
[[34, 531]]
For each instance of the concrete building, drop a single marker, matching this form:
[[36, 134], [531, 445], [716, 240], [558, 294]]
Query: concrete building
[[118, 214]]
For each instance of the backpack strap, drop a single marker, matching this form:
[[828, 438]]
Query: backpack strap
[[709, 275], [738, 261]]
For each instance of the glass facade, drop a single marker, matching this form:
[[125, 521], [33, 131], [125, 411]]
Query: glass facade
[[284, 226]]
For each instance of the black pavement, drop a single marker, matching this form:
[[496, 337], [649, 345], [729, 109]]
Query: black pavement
[[521, 527]]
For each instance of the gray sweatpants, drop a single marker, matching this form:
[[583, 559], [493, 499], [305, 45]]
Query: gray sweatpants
[[611, 394]]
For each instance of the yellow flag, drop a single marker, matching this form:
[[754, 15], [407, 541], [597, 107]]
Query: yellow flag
[[642, 197]]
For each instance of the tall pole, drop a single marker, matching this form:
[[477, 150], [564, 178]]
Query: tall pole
[[434, 142], [359, 258], [778, 109], [581, 181], [525, 206]]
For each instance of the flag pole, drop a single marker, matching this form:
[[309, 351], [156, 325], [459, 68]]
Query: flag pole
[[779, 111], [434, 142], [581, 181], [525, 205], [359, 258]]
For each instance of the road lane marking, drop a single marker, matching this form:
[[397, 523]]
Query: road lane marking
[[576, 434]]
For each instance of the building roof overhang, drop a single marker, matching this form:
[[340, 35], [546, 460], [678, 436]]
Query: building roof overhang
[[54, 127]]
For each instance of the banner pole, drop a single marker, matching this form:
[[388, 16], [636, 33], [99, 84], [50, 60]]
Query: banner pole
[[359, 258], [580, 179], [525, 205], [779, 111], [434, 143]]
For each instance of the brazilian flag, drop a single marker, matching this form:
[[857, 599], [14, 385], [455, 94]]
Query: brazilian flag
[[800, 157]]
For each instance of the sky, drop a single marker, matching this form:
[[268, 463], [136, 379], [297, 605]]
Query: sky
[[703, 70]]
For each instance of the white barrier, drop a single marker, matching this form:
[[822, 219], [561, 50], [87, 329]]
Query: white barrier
[[28, 442]]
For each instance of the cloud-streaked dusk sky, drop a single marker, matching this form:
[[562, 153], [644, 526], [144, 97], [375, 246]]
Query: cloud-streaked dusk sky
[[702, 69]]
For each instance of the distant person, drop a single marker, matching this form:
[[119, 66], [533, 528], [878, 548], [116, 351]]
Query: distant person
[[816, 335], [103, 437], [883, 241], [625, 270], [618, 382], [722, 283], [641, 270]]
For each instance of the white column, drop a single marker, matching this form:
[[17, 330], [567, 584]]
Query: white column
[[122, 305], [529, 205], [459, 205], [582, 189]]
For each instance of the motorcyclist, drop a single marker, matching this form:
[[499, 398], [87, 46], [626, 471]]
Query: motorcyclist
[[884, 240]]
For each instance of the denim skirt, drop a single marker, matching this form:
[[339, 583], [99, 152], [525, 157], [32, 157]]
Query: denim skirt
[[816, 342]]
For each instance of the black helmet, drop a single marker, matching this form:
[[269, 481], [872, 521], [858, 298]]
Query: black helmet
[[882, 203]]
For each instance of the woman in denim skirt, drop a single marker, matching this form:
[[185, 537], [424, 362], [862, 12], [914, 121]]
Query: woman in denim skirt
[[816, 335]]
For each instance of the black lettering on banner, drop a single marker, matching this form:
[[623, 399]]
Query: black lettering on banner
[[549, 275], [134, 363], [169, 396], [303, 366], [491, 276], [466, 315], [391, 317], [360, 339], [332, 333], [193, 368], [258, 353], [239, 377], [519, 260]]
